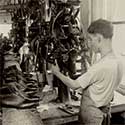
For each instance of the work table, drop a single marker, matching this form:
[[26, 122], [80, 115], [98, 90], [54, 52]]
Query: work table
[[52, 115]]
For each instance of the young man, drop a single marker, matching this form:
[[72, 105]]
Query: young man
[[100, 81]]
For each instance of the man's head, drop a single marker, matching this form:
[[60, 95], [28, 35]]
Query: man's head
[[100, 32]]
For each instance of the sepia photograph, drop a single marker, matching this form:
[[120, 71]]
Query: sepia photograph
[[62, 62]]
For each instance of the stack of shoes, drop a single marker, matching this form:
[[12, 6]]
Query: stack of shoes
[[18, 90]]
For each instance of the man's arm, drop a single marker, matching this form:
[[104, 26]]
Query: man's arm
[[65, 79], [83, 81]]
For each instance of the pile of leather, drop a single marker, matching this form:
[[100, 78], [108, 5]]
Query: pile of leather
[[18, 89]]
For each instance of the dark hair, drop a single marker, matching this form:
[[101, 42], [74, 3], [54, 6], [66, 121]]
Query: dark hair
[[102, 27]]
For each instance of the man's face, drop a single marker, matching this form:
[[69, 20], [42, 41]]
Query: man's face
[[93, 42]]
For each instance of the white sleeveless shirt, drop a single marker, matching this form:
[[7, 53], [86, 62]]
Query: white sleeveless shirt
[[102, 79]]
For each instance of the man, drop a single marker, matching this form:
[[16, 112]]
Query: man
[[100, 81]]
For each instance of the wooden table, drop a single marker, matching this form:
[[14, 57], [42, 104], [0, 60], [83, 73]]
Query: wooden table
[[52, 115]]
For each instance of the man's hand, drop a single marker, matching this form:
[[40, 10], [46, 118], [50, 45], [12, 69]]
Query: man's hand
[[65, 79]]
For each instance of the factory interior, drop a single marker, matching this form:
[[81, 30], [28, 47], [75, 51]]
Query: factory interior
[[37, 35]]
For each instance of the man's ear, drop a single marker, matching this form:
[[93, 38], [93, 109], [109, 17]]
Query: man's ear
[[100, 37]]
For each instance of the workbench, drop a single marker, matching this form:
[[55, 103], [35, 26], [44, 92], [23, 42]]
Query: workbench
[[52, 115], [118, 109]]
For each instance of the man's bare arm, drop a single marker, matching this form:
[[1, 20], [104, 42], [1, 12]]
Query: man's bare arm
[[73, 84]]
